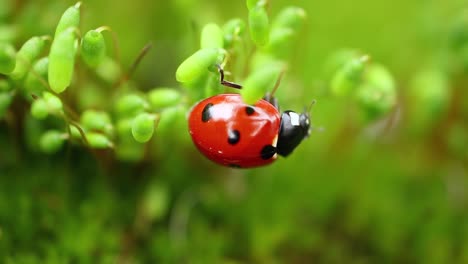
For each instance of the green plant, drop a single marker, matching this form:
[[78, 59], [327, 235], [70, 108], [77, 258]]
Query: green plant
[[96, 164]]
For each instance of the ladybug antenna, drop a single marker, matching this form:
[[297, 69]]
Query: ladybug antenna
[[277, 84], [269, 95], [308, 109]]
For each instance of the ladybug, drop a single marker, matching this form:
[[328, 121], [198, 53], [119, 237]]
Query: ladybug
[[232, 133]]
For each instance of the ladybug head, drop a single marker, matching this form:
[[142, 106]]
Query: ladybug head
[[294, 128]]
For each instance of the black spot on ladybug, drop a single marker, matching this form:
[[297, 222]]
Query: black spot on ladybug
[[268, 152], [249, 110], [234, 166], [206, 114], [233, 137]]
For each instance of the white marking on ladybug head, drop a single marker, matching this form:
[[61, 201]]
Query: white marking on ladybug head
[[294, 118]]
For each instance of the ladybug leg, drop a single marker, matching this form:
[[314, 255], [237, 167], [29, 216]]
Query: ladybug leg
[[227, 83], [272, 100]]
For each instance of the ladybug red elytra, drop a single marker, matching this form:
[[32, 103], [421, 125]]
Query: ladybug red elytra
[[232, 133]]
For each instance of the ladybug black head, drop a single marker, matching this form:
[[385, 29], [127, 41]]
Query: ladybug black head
[[294, 128]]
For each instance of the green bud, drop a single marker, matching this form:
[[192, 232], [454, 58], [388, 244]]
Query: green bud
[[213, 86], [262, 59], [348, 77], [169, 120], [196, 65], [54, 104], [280, 43], [129, 151], [62, 60], [5, 85], [164, 97], [92, 96], [429, 96], [253, 3], [233, 29], [143, 127], [337, 60], [5, 101], [124, 128], [108, 70], [259, 25], [93, 48], [155, 201], [377, 95], [39, 109], [34, 82], [98, 141], [290, 18], [52, 141], [93, 120], [7, 58], [130, 105], [69, 19], [211, 36], [29, 52], [74, 132], [126, 149], [260, 82]]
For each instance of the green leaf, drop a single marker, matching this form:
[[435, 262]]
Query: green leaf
[[143, 127], [7, 58], [197, 64], [62, 60], [260, 82], [259, 25]]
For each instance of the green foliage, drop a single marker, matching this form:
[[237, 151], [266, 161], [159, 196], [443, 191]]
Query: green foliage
[[348, 77], [35, 82], [29, 52], [160, 98], [233, 30], [7, 58], [290, 17], [62, 60], [51, 141], [98, 140], [93, 48], [428, 88], [97, 164], [197, 64], [143, 127], [39, 109], [69, 19], [211, 37], [377, 95], [97, 121], [259, 82], [259, 25]]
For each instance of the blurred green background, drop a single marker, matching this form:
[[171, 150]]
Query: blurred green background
[[390, 191]]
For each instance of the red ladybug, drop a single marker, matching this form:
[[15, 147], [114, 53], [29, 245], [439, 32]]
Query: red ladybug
[[232, 133]]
